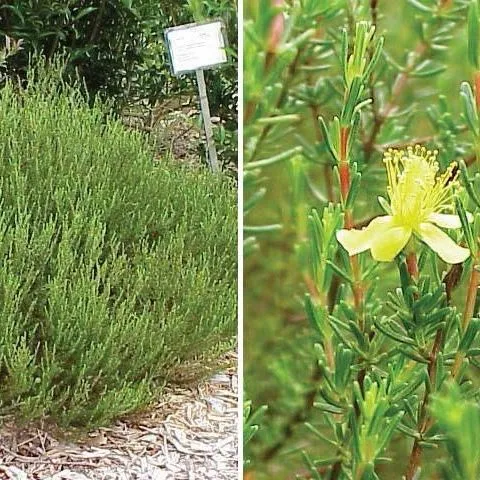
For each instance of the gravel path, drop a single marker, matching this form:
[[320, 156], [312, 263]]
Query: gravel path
[[190, 435]]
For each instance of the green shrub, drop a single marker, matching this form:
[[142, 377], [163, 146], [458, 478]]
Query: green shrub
[[117, 275], [109, 41], [117, 46]]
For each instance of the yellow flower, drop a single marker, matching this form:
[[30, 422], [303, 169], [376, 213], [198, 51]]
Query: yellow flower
[[418, 202]]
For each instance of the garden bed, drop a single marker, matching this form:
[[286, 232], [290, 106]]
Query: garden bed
[[190, 434]]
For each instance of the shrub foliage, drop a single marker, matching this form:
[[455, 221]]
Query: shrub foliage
[[117, 45], [117, 275]]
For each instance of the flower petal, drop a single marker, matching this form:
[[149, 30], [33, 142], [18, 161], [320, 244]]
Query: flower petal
[[442, 244], [389, 243], [356, 241], [445, 221], [448, 221]]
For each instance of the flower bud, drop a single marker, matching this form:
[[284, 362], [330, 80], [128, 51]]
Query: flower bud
[[276, 30]]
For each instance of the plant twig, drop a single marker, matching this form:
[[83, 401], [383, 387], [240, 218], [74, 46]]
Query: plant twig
[[22, 459], [398, 86], [476, 82], [344, 172], [327, 168], [98, 19], [358, 294], [471, 295], [374, 12], [424, 422]]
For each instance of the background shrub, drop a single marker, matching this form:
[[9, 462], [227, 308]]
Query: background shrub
[[117, 47], [117, 275]]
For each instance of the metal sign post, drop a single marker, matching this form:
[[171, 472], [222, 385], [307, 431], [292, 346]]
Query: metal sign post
[[193, 48], [207, 122]]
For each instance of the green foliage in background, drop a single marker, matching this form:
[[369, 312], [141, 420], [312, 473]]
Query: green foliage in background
[[460, 419], [113, 44], [361, 356], [250, 424], [118, 275], [117, 47]]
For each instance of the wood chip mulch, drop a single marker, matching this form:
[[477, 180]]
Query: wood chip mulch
[[190, 435]]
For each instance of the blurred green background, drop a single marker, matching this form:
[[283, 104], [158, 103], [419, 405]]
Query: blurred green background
[[277, 339]]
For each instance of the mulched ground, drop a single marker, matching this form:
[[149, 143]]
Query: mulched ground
[[175, 130], [190, 435]]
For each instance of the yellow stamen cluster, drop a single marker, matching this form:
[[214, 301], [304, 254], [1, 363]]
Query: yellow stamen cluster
[[420, 202], [414, 189]]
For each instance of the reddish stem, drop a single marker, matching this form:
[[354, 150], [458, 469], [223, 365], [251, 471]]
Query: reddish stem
[[343, 144], [412, 265], [344, 172], [476, 83]]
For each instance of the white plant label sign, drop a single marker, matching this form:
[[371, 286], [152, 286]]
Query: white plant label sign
[[196, 46]]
